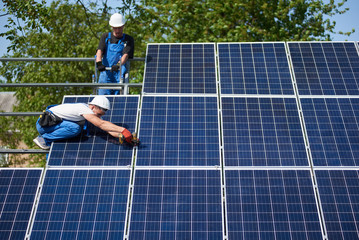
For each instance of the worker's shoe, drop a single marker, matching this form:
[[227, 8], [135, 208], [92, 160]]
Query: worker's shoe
[[40, 141]]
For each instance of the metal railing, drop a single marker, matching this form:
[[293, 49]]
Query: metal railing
[[94, 85]]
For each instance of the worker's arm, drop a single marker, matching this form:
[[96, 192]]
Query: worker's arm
[[107, 126], [99, 55], [124, 59]]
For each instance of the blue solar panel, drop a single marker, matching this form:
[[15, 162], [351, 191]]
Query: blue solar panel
[[339, 197], [271, 204], [333, 130], [180, 68], [254, 68], [262, 132], [178, 131], [176, 204], [98, 148], [82, 204], [18, 188], [325, 68]]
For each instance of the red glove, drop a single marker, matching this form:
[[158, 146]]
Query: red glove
[[127, 135]]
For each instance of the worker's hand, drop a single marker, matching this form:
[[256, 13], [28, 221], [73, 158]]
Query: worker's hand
[[127, 135], [100, 66], [115, 68]]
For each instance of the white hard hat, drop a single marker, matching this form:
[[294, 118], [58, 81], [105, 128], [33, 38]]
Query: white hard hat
[[117, 20], [101, 102]]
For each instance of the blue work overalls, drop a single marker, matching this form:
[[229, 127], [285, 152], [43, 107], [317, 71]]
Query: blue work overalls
[[111, 57]]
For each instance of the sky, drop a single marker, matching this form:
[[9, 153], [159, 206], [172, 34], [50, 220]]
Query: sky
[[344, 22]]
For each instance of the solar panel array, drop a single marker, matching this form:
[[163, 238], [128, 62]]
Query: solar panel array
[[18, 188], [179, 131], [180, 68], [177, 204], [325, 68], [269, 150], [82, 204], [254, 68]]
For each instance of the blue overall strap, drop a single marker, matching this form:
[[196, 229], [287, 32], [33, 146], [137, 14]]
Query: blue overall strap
[[108, 38]]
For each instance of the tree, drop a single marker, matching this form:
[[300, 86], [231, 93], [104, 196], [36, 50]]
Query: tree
[[240, 21]]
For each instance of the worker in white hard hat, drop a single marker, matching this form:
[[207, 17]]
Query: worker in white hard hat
[[113, 51], [66, 121]]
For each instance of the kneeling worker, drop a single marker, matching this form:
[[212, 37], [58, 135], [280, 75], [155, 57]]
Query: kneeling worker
[[66, 121]]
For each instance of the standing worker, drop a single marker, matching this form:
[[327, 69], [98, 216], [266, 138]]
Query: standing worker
[[113, 51], [66, 121]]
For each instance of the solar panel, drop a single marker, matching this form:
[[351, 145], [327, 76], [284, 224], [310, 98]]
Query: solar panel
[[180, 68], [18, 188], [325, 68], [333, 130], [178, 131], [254, 68], [176, 204], [339, 197], [262, 132], [271, 204], [96, 147], [82, 204]]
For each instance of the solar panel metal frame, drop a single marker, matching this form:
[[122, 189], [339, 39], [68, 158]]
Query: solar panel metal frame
[[159, 140], [26, 230], [318, 79], [60, 168], [180, 89], [48, 163], [267, 79], [176, 168]]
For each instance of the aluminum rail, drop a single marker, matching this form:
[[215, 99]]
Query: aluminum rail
[[20, 114], [93, 85], [22, 151], [59, 59], [125, 86]]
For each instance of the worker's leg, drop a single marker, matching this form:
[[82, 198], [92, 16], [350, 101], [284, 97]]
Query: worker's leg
[[105, 77], [123, 73], [63, 130]]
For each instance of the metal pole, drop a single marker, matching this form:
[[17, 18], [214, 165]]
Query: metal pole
[[22, 151], [92, 85], [21, 114], [59, 59]]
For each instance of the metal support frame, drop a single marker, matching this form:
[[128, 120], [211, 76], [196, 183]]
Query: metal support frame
[[22, 151]]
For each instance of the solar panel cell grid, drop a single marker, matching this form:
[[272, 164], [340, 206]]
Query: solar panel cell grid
[[180, 68], [176, 204], [333, 130], [82, 204], [18, 188], [271, 204], [254, 68], [262, 132], [95, 147], [325, 68], [339, 195], [178, 131]]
